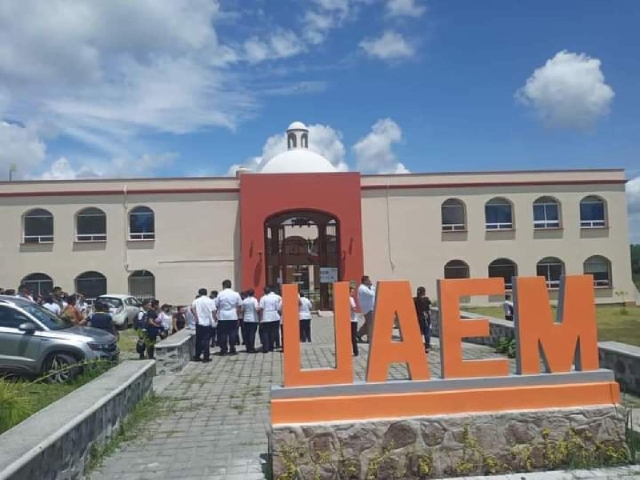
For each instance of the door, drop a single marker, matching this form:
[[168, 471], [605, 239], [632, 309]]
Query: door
[[19, 351]]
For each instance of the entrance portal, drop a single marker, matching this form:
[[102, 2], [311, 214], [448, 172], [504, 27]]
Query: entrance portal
[[303, 248]]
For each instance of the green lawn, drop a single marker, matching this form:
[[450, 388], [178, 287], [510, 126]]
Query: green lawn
[[613, 322]]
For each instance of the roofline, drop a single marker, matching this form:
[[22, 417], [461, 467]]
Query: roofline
[[496, 172]]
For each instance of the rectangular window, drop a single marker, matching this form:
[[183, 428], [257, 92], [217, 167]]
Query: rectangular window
[[498, 217], [452, 218], [546, 215], [38, 229], [92, 228], [592, 215]]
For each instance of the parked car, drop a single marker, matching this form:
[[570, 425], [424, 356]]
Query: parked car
[[124, 309], [34, 341]]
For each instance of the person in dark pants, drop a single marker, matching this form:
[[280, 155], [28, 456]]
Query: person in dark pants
[[423, 311], [203, 309], [228, 308], [270, 308], [241, 330], [305, 306], [354, 322], [250, 315], [154, 327], [214, 329]]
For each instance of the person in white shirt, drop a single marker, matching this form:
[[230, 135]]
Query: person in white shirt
[[203, 309], [305, 306], [228, 306], [366, 299], [166, 319], [250, 314], [270, 308], [354, 322], [52, 306], [507, 306]]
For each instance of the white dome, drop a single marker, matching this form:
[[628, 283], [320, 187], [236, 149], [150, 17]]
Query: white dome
[[298, 161], [297, 126]]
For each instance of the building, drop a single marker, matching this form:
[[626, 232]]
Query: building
[[168, 237]]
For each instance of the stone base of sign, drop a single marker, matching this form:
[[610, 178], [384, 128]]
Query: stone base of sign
[[451, 445], [174, 353]]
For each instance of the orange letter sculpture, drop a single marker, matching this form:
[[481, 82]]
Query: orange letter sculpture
[[294, 376], [394, 297], [453, 328], [572, 338]]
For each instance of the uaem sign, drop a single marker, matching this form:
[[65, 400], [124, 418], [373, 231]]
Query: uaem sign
[[556, 366]]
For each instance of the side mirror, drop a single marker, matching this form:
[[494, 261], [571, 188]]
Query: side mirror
[[27, 327]]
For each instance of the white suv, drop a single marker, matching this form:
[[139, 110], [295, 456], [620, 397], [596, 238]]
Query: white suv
[[123, 308]]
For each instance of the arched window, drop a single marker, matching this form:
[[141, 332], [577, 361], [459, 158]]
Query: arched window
[[552, 269], [304, 140], [454, 216], [291, 141], [142, 285], [38, 283], [141, 224], [546, 213], [456, 269], [593, 212], [505, 268], [91, 225], [498, 213], [600, 268], [91, 285], [38, 226]]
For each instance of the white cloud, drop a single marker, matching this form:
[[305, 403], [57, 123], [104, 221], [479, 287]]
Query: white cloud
[[390, 46], [405, 8], [323, 16], [569, 91], [20, 146], [633, 204], [281, 44], [374, 152]]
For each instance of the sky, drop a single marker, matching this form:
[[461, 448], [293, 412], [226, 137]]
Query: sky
[[199, 87]]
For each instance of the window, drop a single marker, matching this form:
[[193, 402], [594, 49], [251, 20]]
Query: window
[[453, 215], [600, 268], [38, 283], [546, 213], [38, 226], [142, 285], [552, 269], [291, 141], [505, 268], [498, 214], [10, 318], [91, 225], [592, 213], [91, 285], [141, 224], [456, 269], [304, 141]]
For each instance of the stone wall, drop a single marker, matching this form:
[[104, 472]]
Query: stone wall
[[175, 352], [55, 442], [498, 328], [624, 360], [443, 446]]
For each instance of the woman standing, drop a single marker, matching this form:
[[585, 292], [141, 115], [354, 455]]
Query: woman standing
[[179, 320], [70, 312], [423, 310]]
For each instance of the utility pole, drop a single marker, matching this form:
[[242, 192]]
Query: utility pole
[[12, 168]]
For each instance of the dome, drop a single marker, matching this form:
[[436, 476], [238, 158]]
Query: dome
[[299, 160], [297, 126]]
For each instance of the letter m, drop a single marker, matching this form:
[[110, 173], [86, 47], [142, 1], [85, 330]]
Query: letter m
[[572, 339]]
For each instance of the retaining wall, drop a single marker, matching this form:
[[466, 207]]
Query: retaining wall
[[174, 352], [54, 443]]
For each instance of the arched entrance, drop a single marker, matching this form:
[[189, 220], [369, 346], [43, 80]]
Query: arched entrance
[[302, 247]]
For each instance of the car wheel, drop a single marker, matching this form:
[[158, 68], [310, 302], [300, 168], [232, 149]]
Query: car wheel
[[60, 368]]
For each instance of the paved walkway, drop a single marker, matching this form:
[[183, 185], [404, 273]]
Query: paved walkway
[[219, 428]]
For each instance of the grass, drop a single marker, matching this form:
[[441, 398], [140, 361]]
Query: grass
[[127, 341], [614, 322]]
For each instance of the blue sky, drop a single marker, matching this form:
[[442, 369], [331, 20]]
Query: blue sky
[[194, 87]]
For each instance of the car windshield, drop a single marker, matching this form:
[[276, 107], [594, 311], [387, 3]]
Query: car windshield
[[50, 320], [111, 302]]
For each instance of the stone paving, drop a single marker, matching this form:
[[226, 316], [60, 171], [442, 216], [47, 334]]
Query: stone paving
[[218, 429]]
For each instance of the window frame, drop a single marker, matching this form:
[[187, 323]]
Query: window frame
[[548, 262], [453, 227], [589, 224], [99, 276], [139, 274], [608, 283], [498, 226], [508, 284], [461, 265], [547, 224], [143, 236], [27, 281], [92, 237], [40, 239]]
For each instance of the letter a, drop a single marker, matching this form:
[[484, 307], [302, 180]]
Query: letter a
[[393, 298], [294, 376], [573, 339]]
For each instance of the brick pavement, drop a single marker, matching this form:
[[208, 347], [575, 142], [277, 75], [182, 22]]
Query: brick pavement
[[218, 427]]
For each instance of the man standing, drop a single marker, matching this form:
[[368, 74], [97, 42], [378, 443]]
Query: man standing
[[305, 318], [366, 299], [250, 314], [354, 322], [228, 307], [214, 329], [508, 308], [203, 309], [270, 307]]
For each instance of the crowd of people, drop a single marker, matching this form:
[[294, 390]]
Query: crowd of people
[[224, 319]]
